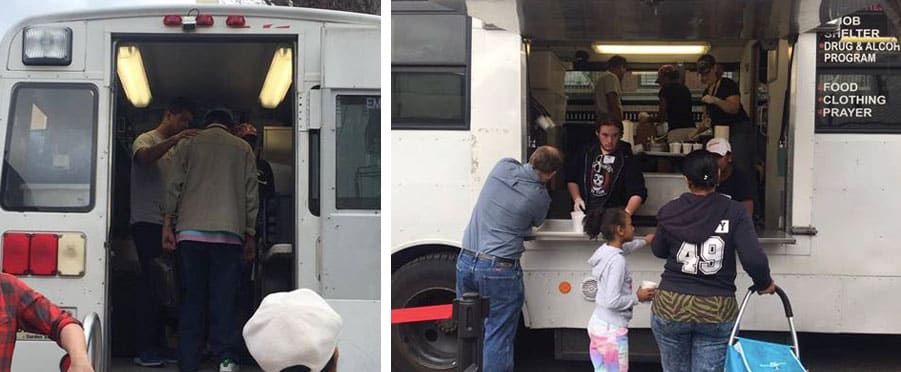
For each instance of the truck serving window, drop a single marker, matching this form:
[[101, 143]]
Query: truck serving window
[[358, 178], [50, 145], [858, 87]]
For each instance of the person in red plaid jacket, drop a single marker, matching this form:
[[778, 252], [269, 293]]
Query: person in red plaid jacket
[[28, 310]]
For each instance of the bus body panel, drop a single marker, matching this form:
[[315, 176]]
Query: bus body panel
[[94, 34], [840, 184], [445, 170]]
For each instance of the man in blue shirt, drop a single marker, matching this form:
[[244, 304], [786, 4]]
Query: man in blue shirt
[[513, 199]]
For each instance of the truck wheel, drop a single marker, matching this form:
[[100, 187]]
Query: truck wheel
[[425, 346]]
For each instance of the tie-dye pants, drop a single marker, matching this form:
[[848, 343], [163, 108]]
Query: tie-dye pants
[[609, 348]]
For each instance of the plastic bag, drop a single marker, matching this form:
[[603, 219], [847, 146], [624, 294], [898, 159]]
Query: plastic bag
[[165, 281]]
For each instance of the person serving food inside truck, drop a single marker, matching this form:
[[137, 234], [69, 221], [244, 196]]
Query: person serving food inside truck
[[723, 108], [605, 175]]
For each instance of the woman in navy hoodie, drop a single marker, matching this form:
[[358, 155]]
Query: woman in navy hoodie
[[699, 235]]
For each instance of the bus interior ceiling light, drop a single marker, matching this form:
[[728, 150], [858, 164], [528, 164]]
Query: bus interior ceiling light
[[278, 79], [47, 46], [130, 68], [658, 49]]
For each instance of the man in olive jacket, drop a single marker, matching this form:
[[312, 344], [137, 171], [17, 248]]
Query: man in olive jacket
[[210, 213]]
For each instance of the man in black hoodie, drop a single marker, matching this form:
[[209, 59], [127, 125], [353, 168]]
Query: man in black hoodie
[[699, 235], [605, 174]]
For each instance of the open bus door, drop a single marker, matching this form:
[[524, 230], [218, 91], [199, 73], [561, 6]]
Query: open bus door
[[351, 191], [54, 186]]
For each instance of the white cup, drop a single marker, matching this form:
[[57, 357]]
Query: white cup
[[675, 147], [577, 217], [697, 146], [686, 148], [648, 284]]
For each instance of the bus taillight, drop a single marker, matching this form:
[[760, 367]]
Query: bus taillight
[[44, 254], [15, 253], [235, 21]]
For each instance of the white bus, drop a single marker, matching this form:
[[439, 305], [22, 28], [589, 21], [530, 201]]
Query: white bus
[[822, 106], [77, 88]]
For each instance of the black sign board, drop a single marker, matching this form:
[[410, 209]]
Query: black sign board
[[858, 74]]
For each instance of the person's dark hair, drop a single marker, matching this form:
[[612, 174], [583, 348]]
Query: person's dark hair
[[219, 116], [179, 105], [672, 75], [601, 123], [328, 367], [600, 221], [616, 61], [546, 159], [700, 168], [705, 63]]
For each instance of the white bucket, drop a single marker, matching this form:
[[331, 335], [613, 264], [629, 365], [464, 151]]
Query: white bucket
[[578, 217]]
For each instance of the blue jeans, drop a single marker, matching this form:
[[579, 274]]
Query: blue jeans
[[210, 275], [150, 333], [502, 283], [690, 346]]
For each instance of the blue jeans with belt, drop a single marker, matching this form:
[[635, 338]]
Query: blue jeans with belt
[[691, 346], [502, 283]]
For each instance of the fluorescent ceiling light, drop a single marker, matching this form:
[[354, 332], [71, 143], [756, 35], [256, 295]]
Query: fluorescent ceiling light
[[130, 68], [868, 39], [278, 79], [657, 49]]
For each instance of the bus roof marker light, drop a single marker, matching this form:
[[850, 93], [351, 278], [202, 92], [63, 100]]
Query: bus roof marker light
[[47, 46], [205, 20], [278, 79], [130, 68], [650, 49], [235, 21], [172, 20]]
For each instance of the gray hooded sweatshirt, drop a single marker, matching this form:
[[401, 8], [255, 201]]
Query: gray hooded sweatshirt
[[615, 298]]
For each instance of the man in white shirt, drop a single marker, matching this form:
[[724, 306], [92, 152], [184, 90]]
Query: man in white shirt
[[608, 91], [150, 162]]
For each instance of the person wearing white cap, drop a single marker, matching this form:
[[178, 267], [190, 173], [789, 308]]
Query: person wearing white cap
[[733, 182], [294, 331]]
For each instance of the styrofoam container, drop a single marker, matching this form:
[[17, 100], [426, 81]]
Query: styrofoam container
[[578, 217]]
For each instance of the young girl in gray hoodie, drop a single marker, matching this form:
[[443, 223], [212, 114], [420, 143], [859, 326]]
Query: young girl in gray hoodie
[[608, 327]]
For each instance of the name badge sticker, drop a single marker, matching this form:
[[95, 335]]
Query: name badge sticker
[[609, 159]]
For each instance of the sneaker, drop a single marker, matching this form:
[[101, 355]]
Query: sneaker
[[146, 359], [228, 365]]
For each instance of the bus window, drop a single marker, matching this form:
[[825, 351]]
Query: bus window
[[358, 148], [51, 141], [429, 98], [314, 172]]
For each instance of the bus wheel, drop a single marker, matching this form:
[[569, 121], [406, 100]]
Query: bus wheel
[[432, 345]]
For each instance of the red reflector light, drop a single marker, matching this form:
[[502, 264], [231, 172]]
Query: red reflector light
[[172, 20], [43, 254], [15, 253], [235, 21], [204, 20]]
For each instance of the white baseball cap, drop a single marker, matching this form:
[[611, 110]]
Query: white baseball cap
[[719, 146], [291, 329]]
